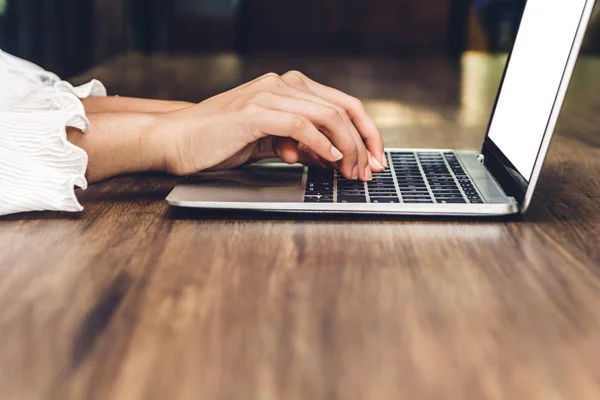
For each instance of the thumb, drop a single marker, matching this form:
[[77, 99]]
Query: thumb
[[286, 149]]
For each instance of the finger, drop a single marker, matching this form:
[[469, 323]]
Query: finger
[[354, 107], [309, 157], [360, 169], [264, 149], [286, 149], [278, 123], [375, 164], [327, 119], [295, 81], [289, 151]]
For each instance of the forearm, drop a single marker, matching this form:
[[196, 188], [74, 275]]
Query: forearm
[[131, 104], [120, 143]]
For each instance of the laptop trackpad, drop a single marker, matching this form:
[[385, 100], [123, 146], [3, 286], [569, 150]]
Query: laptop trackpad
[[257, 183]]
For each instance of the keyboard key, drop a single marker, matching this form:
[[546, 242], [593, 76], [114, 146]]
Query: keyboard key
[[441, 182], [389, 181], [401, 167], [382, 193], [350, 187], [408, 179], [446, 191], [381, 183], [448, 195], [415, 192], [418, 201], [318, 199], [351, 193], [342, 181], [318, 194], [385, 200], [405, 185], [313, 190], [384, 187], [419, 194], [320, 186], [316, 173], [379, 194], [382, 176], [411, 185], [351, 199], [407, 159]]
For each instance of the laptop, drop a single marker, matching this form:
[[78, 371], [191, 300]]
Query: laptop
[[498, 180]]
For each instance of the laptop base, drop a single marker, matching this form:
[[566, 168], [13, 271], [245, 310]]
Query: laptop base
[[453, 183]]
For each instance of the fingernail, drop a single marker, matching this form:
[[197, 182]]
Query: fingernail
[[337, 155], [375, 162], [355, 173], [368, 174], [384, 160]]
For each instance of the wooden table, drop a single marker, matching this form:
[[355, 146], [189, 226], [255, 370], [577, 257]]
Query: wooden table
[[133, 300]]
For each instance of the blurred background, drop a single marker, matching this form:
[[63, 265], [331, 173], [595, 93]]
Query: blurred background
[[71, 36]]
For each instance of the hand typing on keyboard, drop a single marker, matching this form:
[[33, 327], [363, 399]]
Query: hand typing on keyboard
[[288, 116]]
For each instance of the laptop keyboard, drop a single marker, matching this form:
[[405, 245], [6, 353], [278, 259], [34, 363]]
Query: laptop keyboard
[[413, 177]]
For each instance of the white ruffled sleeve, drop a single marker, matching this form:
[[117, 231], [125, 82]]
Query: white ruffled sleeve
[[39, 167]]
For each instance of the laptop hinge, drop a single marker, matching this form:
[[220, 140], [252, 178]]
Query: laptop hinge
[[503, 171]]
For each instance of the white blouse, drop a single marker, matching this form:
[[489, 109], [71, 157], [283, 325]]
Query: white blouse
[[39, 168]]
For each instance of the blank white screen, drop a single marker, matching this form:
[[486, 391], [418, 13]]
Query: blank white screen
[[533, 78]]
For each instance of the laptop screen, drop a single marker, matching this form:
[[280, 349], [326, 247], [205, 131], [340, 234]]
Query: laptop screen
[[533, 78]]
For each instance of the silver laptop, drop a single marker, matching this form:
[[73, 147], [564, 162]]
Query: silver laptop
[[499, 180]]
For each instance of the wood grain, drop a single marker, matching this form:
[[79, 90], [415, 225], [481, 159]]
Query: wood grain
[[133, 300]]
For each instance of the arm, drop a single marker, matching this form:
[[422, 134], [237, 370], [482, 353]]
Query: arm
[[291, 117], [122, 136], [119, 143], [131, 104]]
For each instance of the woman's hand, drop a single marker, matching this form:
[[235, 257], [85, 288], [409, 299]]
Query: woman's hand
[[289, 116]]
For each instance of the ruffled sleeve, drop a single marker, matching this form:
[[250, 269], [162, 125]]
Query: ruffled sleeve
[[39, 167]]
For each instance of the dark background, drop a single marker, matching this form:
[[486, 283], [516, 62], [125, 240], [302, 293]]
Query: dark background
[[69, 36]]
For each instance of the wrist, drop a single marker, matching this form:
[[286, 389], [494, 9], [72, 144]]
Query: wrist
[[120, 143], [154, 143]]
